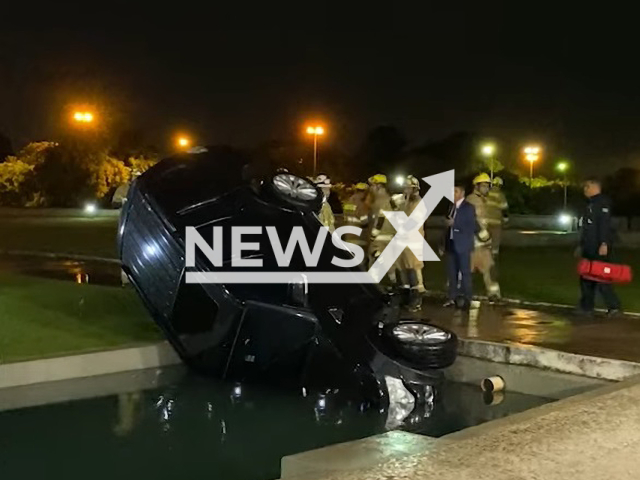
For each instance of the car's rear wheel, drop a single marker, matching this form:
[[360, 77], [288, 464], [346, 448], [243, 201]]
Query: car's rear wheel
[[424, 345], [295, 191]]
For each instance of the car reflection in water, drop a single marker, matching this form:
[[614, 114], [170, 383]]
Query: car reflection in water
[[197, 428]]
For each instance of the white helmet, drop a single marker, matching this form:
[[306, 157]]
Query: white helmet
[[322, 181]]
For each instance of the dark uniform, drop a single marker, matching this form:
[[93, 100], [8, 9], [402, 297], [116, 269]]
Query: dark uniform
[[596, 230]]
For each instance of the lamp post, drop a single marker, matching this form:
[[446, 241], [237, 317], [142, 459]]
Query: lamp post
[[563, 167], [315, 131], [531, 155], [488, 151]]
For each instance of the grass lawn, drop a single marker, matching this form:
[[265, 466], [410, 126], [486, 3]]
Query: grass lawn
[[42, 318], [86, 236], [545, 274]]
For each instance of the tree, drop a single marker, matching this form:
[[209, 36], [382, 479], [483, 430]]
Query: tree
[[139, 165], [624, 189], [35, 153], [14, 174], [73, 173], [485, 164], [457, 151], [132, 142], [5, 147], [382, 150]]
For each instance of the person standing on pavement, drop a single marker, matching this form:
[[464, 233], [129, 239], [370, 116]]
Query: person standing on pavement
[[482, 258], [379, 230], [497, 214], [326, 213], [458, 246], [596, 238], [410, 267], [356, 213]]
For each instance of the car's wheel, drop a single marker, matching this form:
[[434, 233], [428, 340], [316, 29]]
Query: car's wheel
[[292, 190], [424, 345]]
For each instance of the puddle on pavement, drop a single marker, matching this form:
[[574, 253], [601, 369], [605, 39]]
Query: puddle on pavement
[[98, 273], [197, 428]]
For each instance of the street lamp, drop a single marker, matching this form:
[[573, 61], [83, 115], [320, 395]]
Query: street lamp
[[563, 167], [488, 151], [83, 117], [531, 155], [315, 131], [183, 142]]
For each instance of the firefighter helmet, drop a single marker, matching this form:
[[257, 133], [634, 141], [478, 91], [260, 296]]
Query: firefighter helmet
[[412, 181], [322, 181], [482, 178], [378, 179]]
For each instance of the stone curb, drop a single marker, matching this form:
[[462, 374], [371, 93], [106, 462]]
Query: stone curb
[[87, 365], [62, 256], [526, 303], [547, 359]]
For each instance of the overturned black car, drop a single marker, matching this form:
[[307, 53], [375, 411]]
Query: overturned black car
[[308, 334]]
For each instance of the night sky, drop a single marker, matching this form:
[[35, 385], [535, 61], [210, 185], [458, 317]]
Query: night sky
[[565, 78]]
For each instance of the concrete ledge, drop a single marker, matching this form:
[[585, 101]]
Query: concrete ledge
[[87, 365], [546, 359], [590, 436], [57, 212], [522, 379], [46, 393], [61, 256], [356, 455]]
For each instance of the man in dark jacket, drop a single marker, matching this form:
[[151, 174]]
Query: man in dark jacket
[[596, 238], [459, 243]]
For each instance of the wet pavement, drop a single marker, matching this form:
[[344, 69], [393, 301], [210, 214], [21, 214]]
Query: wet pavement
[[617, 338], [557, 329]]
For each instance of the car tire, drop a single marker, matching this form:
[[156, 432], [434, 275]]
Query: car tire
[[291, 190], [422, 344]]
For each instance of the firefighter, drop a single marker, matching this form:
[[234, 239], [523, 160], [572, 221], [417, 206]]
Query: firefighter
[[379, 230], [409, 265], [326, 214], [481, 257], [356, 212], [497, 214], [596, 237]]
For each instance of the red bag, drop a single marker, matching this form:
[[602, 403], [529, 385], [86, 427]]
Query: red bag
[[604, 272]]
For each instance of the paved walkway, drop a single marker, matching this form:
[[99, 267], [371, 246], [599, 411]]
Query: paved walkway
[[591, 437], [616, 338]]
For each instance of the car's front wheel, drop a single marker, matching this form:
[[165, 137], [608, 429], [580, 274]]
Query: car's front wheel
[[293, 191], [424, 345]]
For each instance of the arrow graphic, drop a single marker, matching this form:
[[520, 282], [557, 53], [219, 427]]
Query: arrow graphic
[[407, 236], [408, 227]]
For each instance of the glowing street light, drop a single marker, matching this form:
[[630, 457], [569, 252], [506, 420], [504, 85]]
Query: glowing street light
[[563, 167], [183, 142], [531, 155], [83, 117], [315, 131], [488, 150]]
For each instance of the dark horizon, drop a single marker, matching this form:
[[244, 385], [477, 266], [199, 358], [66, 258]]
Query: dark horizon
[[514, 75]]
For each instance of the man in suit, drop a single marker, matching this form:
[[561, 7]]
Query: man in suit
[[459, 243]]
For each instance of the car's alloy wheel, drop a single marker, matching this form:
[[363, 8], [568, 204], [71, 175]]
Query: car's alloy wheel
[[420, 344]]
